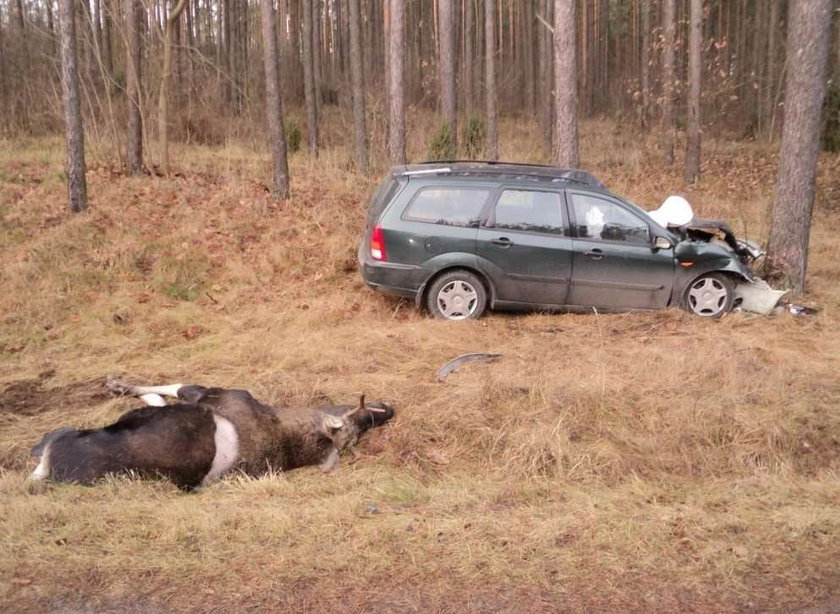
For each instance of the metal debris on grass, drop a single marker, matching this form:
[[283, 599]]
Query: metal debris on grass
[[463, 359]]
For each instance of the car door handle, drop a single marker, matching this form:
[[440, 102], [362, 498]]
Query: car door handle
[[595, 254], [503, 241]]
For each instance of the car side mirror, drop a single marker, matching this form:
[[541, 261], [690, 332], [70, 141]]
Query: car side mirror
[[661, 243]]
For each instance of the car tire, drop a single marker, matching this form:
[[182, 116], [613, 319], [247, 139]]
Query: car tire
[[457, 295], [710, 295]]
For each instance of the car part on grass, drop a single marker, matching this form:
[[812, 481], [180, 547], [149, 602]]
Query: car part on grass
[[757, 296], [462, 360], [799, 310]]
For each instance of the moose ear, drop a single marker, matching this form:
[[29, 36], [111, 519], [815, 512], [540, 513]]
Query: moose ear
[[331, 423]]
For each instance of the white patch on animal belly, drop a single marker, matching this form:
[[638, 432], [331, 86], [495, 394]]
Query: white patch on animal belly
[[227, 449], [153, 400], [42, 471]]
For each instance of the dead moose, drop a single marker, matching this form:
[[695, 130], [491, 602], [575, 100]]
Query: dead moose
[[205, 434]]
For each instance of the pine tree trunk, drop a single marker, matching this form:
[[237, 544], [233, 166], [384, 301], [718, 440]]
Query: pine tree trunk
[[273, 102], [396, 57], [695, 67], [295, 69], [668, 36], [309, 80], [469, 42], [134, 12], [565, 85], [107, 42], [645, 63], [490, 78], [769, 102], [166, 76], [4, 107], [76, 183], [808, 42], [317, 58], [446, 69], [528, 36], [359, 129]]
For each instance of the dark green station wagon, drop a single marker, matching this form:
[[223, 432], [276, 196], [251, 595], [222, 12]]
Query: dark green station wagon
[[459, 237]]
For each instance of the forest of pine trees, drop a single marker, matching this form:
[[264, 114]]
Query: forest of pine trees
[[624, 49], [138, 74]]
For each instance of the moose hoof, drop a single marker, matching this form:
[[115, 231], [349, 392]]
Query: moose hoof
[[118, 387]]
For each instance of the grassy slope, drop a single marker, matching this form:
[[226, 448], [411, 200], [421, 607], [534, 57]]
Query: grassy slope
[[636, 461]]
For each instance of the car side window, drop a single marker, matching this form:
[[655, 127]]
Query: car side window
[[529, 210], [447, 206], [597, 218]]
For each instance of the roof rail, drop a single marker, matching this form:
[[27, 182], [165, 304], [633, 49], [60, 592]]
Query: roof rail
[[492, 162], [491, 167]]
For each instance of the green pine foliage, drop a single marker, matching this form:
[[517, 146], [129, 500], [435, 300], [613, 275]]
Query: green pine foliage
[[293, 135], [474, 135], [442, 147]]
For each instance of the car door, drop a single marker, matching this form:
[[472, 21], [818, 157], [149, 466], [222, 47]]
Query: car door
[[614, 264], [524, 247]]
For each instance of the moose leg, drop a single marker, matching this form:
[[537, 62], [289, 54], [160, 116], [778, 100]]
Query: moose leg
[[151, 395]]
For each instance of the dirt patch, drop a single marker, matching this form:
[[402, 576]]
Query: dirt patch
[[29, 397]]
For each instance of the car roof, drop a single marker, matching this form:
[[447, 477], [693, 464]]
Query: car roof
[[509, 172]]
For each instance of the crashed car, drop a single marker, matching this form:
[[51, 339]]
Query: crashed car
[[461, 237]]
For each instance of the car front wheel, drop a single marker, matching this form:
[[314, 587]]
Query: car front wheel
[[458, 295], [710, 295]]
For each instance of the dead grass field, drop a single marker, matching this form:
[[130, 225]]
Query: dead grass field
[[635, 462]]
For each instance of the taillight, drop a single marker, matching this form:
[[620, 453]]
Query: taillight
[[377, 244]]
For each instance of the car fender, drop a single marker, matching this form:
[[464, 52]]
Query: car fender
[[447, 261], [695, 259]]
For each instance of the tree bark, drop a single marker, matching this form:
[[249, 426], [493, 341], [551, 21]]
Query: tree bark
[[545, 113], [317, 58], [668, 36], [134, 12], [446, 70], [469, 42], [4, 106], [695, 67], [396, 136], [645, 64], [295, 71], [357, 79], [790, 223], [310, 100], [107, 48], [166, 76], [76, 183], [769, 102], [490, 78], [565, 85], [273, 101], [528, 35]]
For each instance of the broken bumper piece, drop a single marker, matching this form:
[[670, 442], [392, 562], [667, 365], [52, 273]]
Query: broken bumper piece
[[757, 296]]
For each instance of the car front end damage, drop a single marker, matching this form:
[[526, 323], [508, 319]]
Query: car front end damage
[[733, 255]]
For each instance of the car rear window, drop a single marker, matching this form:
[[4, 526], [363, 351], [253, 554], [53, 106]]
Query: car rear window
[[381, 197], [530, 211], [448, 206]]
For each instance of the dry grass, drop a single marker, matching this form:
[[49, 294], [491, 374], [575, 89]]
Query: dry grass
[[630, 462]]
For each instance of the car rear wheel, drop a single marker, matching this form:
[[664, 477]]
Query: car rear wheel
[[710, 295], [458, 295]]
